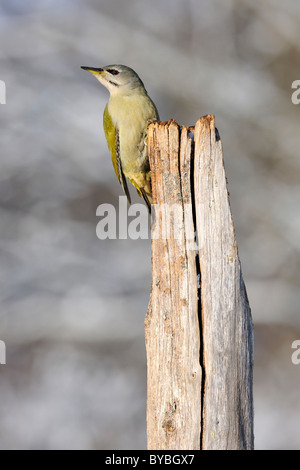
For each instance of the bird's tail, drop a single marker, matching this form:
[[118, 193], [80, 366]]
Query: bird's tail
[[147, 198]]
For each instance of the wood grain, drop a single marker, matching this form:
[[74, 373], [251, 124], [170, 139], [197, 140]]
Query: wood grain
[[171, 324], [199, 338], [227, 332]]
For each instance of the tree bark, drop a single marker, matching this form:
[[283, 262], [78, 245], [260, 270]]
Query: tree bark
[[198, 327]]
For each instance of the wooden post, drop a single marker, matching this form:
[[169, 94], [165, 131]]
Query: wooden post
[[198, 327]]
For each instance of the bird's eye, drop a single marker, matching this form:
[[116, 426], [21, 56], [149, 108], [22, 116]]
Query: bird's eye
[[113, 71]]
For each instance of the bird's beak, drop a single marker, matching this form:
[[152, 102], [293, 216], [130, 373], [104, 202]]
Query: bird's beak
[[93, 69]]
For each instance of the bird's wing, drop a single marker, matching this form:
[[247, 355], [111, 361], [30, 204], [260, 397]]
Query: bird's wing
[[113, 142], [120, 173]]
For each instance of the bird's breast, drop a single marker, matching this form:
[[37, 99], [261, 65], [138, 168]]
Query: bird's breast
[[130, 114]]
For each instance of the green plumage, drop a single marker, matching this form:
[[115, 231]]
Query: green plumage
[[110, 134], [112, 138]]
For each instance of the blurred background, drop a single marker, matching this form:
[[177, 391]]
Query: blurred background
[[72, 306]]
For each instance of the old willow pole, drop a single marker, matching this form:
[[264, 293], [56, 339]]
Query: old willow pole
[[198, 327]]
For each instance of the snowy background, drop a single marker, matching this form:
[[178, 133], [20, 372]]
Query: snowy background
[[72, 307]]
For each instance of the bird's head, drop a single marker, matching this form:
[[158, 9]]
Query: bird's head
[[117, 78]]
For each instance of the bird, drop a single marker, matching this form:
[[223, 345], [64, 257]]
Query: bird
[[126, 117]]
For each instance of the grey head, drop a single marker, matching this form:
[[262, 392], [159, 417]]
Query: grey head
[[117, 78]]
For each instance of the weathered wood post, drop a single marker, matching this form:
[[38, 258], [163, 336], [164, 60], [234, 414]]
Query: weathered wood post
[[198, 327]]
